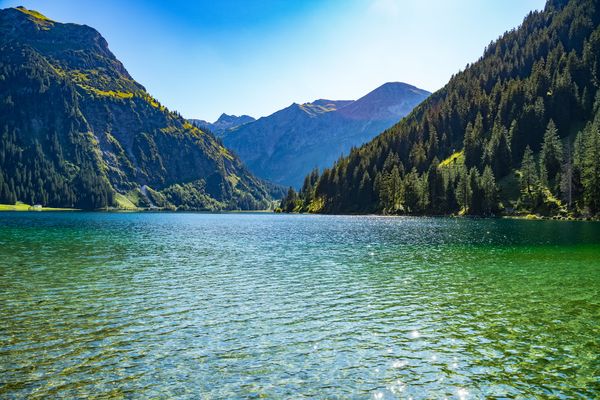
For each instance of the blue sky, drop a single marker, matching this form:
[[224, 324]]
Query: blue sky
[[254, 57]]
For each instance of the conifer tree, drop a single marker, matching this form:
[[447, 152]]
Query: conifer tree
[[463, 190], [489, 191], [476, 203], [289, 202], [436, 189], [566, 183], [591, 170], [550, 155], [410, 191], [529, 178]]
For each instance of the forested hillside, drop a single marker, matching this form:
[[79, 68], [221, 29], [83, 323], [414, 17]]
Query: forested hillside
[[518, 131], [77, 131]]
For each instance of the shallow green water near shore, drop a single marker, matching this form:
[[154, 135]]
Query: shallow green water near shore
[[288, 306]]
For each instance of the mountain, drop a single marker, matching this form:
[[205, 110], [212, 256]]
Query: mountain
[[224, 123], [77, 130], [286, 145], [389, 102], [518, 131]]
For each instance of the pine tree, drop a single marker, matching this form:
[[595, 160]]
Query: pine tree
[[463, 190], [529, 179], [578, 160], [395, 187], [591, 170], [566, 183], [550, 155], [473, 143], [365, 191], [489, 191], [412, 192], [307, 193], [423, 194], [476, 203], [289, 202], [497, 152], [388, 187], [436, 189]]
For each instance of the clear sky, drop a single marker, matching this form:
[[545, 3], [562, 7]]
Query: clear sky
[[254, 57]]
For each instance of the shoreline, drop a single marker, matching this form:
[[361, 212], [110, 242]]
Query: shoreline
[[528, 217], [21, 207]]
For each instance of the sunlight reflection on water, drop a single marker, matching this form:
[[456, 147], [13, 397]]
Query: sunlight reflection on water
[[247, 305]]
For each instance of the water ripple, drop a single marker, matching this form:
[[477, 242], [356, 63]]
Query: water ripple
[[251, 306]]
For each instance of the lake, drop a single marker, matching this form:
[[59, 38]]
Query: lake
[[237, 305]]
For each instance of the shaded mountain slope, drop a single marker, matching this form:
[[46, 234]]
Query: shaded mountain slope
[[286, 145], [77, 130]]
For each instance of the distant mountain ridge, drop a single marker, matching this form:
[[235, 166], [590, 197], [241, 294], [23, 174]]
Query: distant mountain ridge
[[387, 102], [284, 146], [224, 123], [77, 131]]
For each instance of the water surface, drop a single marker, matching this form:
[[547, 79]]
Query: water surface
[[291, 306]]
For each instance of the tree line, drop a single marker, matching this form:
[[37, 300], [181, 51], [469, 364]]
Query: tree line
[[517, 131]]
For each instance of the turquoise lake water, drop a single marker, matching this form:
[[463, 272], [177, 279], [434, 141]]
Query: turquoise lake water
[[219, 306]]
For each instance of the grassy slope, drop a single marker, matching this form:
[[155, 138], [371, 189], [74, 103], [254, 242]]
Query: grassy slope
[[26, 207]]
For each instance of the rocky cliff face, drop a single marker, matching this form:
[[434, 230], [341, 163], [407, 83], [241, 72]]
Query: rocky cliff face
[[223, 124], [286, 145], [77, 130]]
